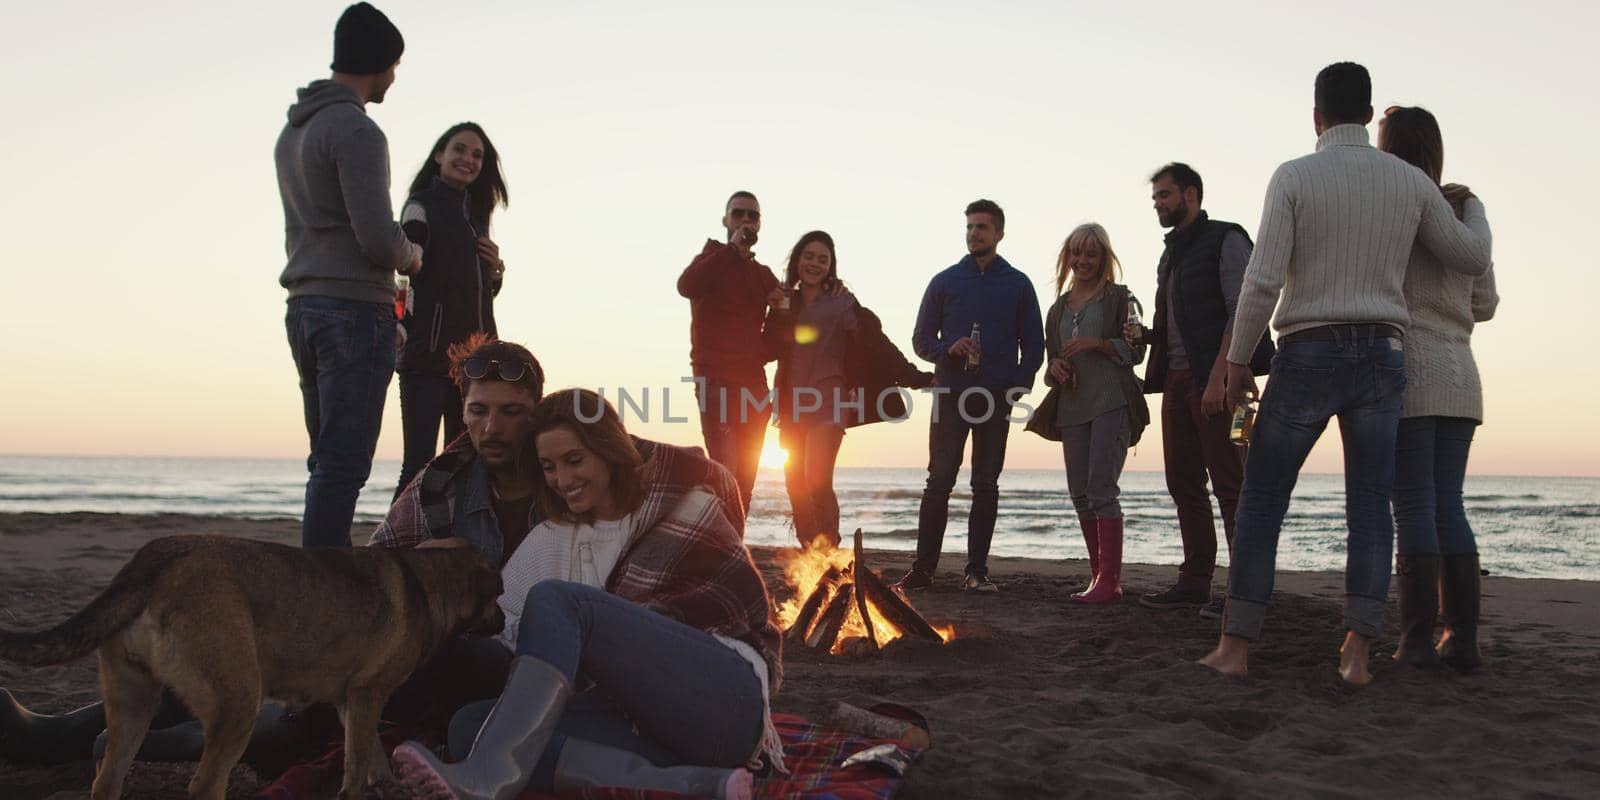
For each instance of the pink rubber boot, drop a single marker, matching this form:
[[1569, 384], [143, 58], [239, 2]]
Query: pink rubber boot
[[1107, 585]]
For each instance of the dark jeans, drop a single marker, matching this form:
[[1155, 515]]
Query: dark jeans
[[1430, 464], [808, 475], [344, 352], [735, 431], [1359, 379], [662, 689], [947, 440], [424, 401], [1194, 445]]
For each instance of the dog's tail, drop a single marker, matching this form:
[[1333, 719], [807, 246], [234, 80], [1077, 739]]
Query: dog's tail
[[106, 616]]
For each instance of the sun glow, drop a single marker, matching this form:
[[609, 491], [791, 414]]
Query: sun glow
[[773, 456]]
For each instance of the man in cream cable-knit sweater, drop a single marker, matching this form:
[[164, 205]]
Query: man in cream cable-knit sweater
[[1335, 237]]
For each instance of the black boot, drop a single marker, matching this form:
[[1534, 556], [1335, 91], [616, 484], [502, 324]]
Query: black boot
[[1419, 609], [279, 740], [29, 738], [1459, 593]]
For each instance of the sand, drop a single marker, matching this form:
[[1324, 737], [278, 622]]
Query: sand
[[1040, 698]]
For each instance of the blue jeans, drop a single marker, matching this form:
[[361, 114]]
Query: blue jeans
[[425, 400], [1358, 379], [344, 352], [662, 689], [947, 439], [1430, 464], [734, 431]]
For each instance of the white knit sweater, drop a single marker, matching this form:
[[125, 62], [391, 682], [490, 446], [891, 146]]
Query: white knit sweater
[[1441, 376], [1336, 233]]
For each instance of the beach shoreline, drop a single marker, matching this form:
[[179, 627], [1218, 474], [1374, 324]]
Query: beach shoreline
[[1040, 697]]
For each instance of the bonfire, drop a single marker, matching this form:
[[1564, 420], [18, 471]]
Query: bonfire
[[841, 606]]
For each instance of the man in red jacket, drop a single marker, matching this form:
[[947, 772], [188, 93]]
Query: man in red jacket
[[729, 292]]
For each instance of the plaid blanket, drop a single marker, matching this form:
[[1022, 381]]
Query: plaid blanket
[[425, 509], [812, 752], [688, 561]]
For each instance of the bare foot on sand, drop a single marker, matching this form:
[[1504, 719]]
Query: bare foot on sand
[[1353, 659], [1232, 656]]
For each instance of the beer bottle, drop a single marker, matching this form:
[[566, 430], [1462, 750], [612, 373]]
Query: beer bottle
[[972, 355], [1244, 421]]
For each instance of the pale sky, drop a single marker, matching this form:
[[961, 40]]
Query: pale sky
[[144, 234]]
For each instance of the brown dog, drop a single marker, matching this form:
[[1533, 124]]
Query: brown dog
[[226, 623]]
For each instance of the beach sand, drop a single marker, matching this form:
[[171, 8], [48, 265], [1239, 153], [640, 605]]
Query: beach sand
[[1041, 698]]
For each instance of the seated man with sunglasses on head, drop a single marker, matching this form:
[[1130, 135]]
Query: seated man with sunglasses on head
[[479, 491]]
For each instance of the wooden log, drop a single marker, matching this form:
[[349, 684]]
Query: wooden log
[[813, 605], [895, 610], [864, 722], [856, 647], [832, 620], [858, 566]]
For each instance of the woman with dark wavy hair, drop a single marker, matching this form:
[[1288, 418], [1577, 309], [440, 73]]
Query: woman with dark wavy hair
[[1436, 556], [452, 297], [834, 367], [644, 649]]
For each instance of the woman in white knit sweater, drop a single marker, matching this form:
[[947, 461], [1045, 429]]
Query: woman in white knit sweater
[[1437, 556]]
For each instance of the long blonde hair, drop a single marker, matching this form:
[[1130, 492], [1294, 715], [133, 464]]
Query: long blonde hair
[[1110, 267]]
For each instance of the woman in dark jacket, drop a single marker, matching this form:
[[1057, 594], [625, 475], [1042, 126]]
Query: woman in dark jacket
[[834, 365], [452, 199]]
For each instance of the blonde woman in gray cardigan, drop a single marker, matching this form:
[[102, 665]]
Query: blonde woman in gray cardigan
[[1436, 555], [1092, 366]]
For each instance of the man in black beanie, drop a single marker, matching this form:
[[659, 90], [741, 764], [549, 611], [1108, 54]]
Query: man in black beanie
[[344, 248]]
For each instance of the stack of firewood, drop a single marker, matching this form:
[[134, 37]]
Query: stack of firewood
[[855, 588]]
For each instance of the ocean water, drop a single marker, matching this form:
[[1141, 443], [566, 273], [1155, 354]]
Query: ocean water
[[1526, 526]]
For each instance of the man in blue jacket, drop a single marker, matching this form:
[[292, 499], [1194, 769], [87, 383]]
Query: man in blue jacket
[[979, 324]]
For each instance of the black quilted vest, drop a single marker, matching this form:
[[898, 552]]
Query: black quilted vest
[[1190, 268]]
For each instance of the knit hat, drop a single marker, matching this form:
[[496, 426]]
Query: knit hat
[[365, 42]]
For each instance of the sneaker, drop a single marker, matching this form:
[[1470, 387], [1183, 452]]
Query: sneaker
[[915, 580], [1176, 597], [979, 583], [1213, 609]]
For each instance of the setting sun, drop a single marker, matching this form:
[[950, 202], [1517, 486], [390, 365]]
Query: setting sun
[[773, 456]]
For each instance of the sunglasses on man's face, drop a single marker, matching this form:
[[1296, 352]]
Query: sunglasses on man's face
[[745, 213], [476, 369]]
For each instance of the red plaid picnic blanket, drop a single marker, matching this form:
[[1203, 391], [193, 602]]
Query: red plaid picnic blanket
[[811, 752]]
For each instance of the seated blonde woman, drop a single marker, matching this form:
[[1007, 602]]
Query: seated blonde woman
[[644, 647]]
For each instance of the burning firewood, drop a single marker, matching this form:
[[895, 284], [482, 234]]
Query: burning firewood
[[842, 607], [894, 610], [813, 605], [857, 566], [832, 620]]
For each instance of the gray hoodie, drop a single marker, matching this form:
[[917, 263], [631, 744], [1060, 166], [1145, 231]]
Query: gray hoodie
[[333, 174]]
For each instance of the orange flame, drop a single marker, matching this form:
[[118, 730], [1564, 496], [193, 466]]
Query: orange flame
[[803, 570]]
